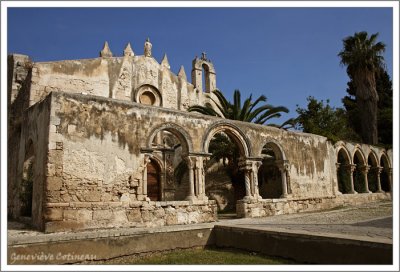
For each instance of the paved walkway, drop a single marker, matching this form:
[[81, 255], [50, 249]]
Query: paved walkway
[[366, 222], [369, 221]]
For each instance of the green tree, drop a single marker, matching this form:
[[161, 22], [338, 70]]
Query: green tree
[[385, 108], [324, 120], [248, 112], [363, 57]]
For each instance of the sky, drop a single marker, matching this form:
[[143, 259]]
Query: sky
[[286, 54]]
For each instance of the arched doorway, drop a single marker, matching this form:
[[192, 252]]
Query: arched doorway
[[270, 179], [343, 172], [225, 181], [153, 181], [170, 145]]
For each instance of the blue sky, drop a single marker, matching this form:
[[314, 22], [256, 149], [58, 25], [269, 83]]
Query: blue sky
[[286, 54]]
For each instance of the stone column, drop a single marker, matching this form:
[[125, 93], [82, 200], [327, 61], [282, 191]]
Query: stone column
[[246, 167], [201, 177], [378, 178], [146, 161], [283, 167], [351, 168], [337, 178], [364, 170], [390, 173], [256, 165], [191, 165]]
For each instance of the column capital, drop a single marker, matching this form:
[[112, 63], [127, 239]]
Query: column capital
[[338, 165], [147, 157], [350, 167], [245, 164], [283, 165], [365, 168], [191, 161], [378, 169], [390, 171]]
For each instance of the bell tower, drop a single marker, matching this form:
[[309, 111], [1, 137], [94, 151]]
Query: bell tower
[[203, 67]]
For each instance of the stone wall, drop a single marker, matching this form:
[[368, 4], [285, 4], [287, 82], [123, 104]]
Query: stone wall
[[270, 207], [94, 215], [85, 123], [35, 135], [118, 77]]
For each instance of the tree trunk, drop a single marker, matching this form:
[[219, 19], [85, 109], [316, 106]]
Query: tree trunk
[[367, 103]]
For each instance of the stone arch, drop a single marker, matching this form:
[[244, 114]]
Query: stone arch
[[148, 95], [385, 159], [276, 147], [184, 137], [358, 154], [231, 130], [343, 162], [340, 147], [273, 174]]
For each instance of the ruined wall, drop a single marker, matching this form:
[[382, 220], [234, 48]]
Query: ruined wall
[[34, 133], [116, 77], [108, 135]]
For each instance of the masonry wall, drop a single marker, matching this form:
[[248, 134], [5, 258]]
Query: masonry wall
[[101, 141], [34, 133], [115, 77]]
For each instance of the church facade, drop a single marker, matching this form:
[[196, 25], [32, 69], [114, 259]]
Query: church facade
[[108, 142]]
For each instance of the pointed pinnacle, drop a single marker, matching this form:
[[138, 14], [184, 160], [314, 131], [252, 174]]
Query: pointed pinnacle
[[165, 62], [128, 50], [182, 73], [106, 52]]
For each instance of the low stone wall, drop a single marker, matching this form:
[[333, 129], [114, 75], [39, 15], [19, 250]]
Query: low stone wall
[[95, 215], [269, 207]]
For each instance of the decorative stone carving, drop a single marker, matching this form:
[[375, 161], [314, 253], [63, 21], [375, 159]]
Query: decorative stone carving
[[147, 48], [106, 52], [182, 74], [128, 51], [165, 62]]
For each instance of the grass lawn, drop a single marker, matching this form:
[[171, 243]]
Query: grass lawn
[[198, 256]]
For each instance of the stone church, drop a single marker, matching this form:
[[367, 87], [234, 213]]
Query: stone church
[[108, 142]]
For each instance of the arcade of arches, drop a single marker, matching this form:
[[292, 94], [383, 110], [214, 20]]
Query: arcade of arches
[[355, 174]]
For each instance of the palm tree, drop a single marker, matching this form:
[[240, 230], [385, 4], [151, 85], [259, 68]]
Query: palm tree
[[248, 112], [363, 57]]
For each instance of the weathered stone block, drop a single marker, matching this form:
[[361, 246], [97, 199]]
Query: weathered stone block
[[53, 214], [54, 183], [171, 219], [147, 216], [134, 215], [120, 216], [182, 217], [159, 213], [193, 217], [102, 215]]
